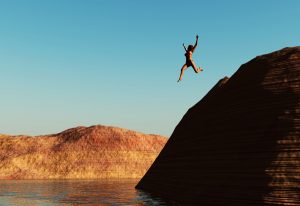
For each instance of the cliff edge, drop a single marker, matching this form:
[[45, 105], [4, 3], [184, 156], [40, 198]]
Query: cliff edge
[[240, 145]]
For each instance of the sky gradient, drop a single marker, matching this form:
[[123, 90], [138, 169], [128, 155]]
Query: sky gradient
[[70, 63]]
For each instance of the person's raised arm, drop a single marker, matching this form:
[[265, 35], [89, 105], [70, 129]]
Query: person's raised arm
[[184, 47], [196, 43]]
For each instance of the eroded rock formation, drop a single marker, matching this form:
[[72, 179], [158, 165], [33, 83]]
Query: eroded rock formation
[[240, 145]]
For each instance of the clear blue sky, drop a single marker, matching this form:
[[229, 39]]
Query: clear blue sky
[[66, 63]]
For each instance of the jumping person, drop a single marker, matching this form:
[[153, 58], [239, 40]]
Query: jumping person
[[189, 60]]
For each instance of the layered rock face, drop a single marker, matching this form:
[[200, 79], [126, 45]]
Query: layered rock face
[[77, 153], [240, 145]]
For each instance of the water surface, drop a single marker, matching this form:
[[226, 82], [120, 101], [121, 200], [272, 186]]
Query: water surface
[[73, 192]]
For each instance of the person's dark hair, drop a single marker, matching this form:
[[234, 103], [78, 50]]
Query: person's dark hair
[[190, 47]]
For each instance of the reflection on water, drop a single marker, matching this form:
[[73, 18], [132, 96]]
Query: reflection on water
[[73, 192]]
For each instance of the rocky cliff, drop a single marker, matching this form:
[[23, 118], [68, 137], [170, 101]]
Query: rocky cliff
[[81, 152], [240, 145]]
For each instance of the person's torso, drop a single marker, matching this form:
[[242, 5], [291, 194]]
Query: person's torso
[[189, 55]]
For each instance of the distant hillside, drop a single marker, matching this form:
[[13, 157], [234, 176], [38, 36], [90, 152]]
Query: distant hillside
[[81, 152]]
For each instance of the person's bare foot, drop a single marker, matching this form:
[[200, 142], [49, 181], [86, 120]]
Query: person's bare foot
[[200, 69]]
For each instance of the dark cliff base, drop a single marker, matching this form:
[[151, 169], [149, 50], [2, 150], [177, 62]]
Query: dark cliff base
[[240, 145]]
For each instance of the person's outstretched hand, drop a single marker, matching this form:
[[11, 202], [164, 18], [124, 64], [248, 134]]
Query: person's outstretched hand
[[197, 36]]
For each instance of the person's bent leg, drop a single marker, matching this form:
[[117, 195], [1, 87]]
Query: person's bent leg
[[184, 67], [197, 70]]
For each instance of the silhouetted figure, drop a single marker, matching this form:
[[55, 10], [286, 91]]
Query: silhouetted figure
[[189, 61]]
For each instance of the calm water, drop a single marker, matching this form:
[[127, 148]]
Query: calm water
[[73, 192]]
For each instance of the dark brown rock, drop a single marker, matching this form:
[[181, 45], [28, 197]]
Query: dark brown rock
[[240, 145]]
